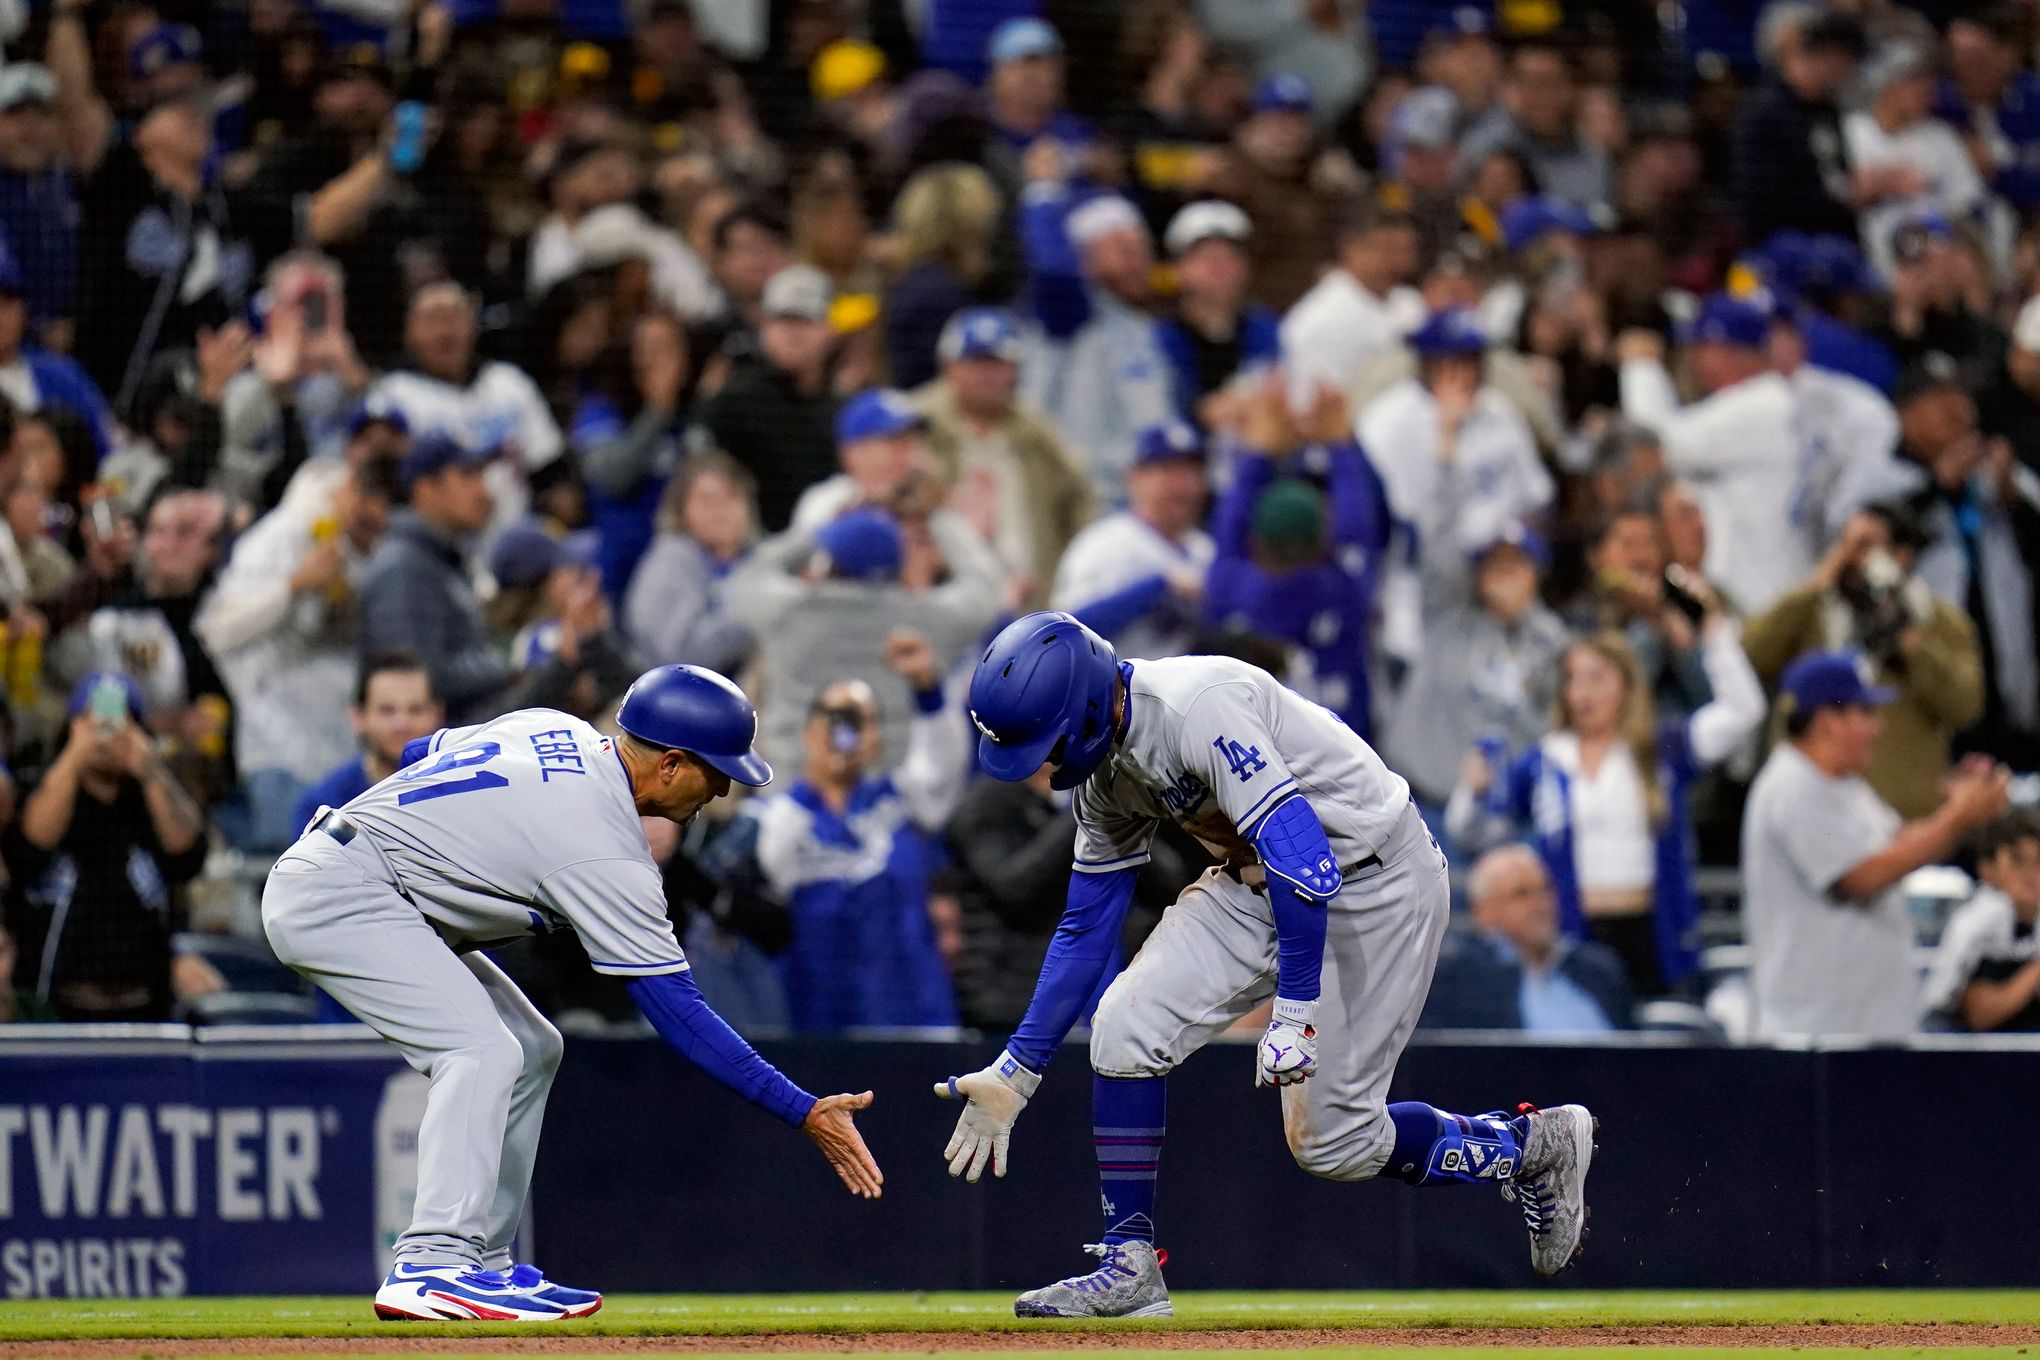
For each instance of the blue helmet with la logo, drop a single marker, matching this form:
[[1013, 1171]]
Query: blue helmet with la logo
[[1043, 692]]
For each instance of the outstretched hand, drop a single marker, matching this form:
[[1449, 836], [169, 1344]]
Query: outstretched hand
[[831, 1125]]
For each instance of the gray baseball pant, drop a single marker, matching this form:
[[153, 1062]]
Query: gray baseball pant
[[1213, 959], [335, 914]]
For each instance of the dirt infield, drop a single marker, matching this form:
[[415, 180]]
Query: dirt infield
[[526, 1342]]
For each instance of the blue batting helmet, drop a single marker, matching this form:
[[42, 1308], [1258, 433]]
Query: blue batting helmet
[[691, 709], [1043, 691]]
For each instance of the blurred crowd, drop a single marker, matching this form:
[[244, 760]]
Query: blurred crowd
[[1626, 417]]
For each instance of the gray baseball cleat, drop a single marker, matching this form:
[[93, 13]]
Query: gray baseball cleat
[[1127, 1283], [1551, 1184]]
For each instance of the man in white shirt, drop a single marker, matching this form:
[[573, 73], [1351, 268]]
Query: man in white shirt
[[1824, 857], [1922, 162], [280, 622], [488, 404], [1449, 447], [1739, 444], [1361, 307], [1093, 364], [1137, 575]]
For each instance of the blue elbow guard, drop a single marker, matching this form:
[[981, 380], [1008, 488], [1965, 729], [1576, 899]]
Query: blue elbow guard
[[415, 750], [1292, 845]]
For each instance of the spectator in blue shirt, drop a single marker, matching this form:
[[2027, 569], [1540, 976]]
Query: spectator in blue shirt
[[393, 704], [847, 848], [38, 201], [1514, 970], [1296, 564], [1992, 102], [35, 380], [1024, 88]]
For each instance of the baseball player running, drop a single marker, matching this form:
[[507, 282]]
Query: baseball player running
[[522, 825], [1330, 896]]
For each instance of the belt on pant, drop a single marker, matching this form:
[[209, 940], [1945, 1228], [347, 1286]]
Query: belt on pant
[[1255, 876], [337, 825]]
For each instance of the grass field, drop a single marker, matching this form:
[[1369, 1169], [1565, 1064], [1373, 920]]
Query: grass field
[[1317, 1325]]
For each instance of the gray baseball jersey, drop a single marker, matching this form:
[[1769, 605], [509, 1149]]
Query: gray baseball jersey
[[1216, 744], [524, 825]]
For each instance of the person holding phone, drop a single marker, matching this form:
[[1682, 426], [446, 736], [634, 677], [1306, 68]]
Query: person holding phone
[[1603, 797], [104, 844]]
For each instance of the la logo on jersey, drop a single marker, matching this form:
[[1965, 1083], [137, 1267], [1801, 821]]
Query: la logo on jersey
[[1244, 761]]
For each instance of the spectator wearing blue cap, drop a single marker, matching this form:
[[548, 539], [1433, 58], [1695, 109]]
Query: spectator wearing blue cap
[[1215, 332], [1361, 308], [1094, 365], [1024, 86], [1605, 797], [1824, 858], [674, 611], [1918, 159], [1489, 666], [415, 592], [39, 201], [822, 601], [1536, 121], [281, 624], [1296, 564], [1459, 53], [1738, 444], [33, 379], [1448, 445], [564, 648], [1137, 575], [776, 414], [1820, 284], [1014, 481], [845, 848], [880, 449], [1989, 98], [97, 863]]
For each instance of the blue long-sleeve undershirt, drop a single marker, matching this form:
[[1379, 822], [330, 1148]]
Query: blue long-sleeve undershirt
[[1077, 958], [683, 1019]]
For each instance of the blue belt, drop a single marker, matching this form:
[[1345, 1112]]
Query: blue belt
[[337, 825]]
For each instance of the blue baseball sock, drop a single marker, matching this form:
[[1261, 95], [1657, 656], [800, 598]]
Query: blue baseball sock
[[1434, 1146], [1126, 1117]]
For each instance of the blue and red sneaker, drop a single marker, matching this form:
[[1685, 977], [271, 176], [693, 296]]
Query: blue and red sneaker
[[461, 1293]]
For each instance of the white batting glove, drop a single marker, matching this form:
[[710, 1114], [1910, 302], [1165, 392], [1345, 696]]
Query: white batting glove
[[1287, 1053], [997, 1095]]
